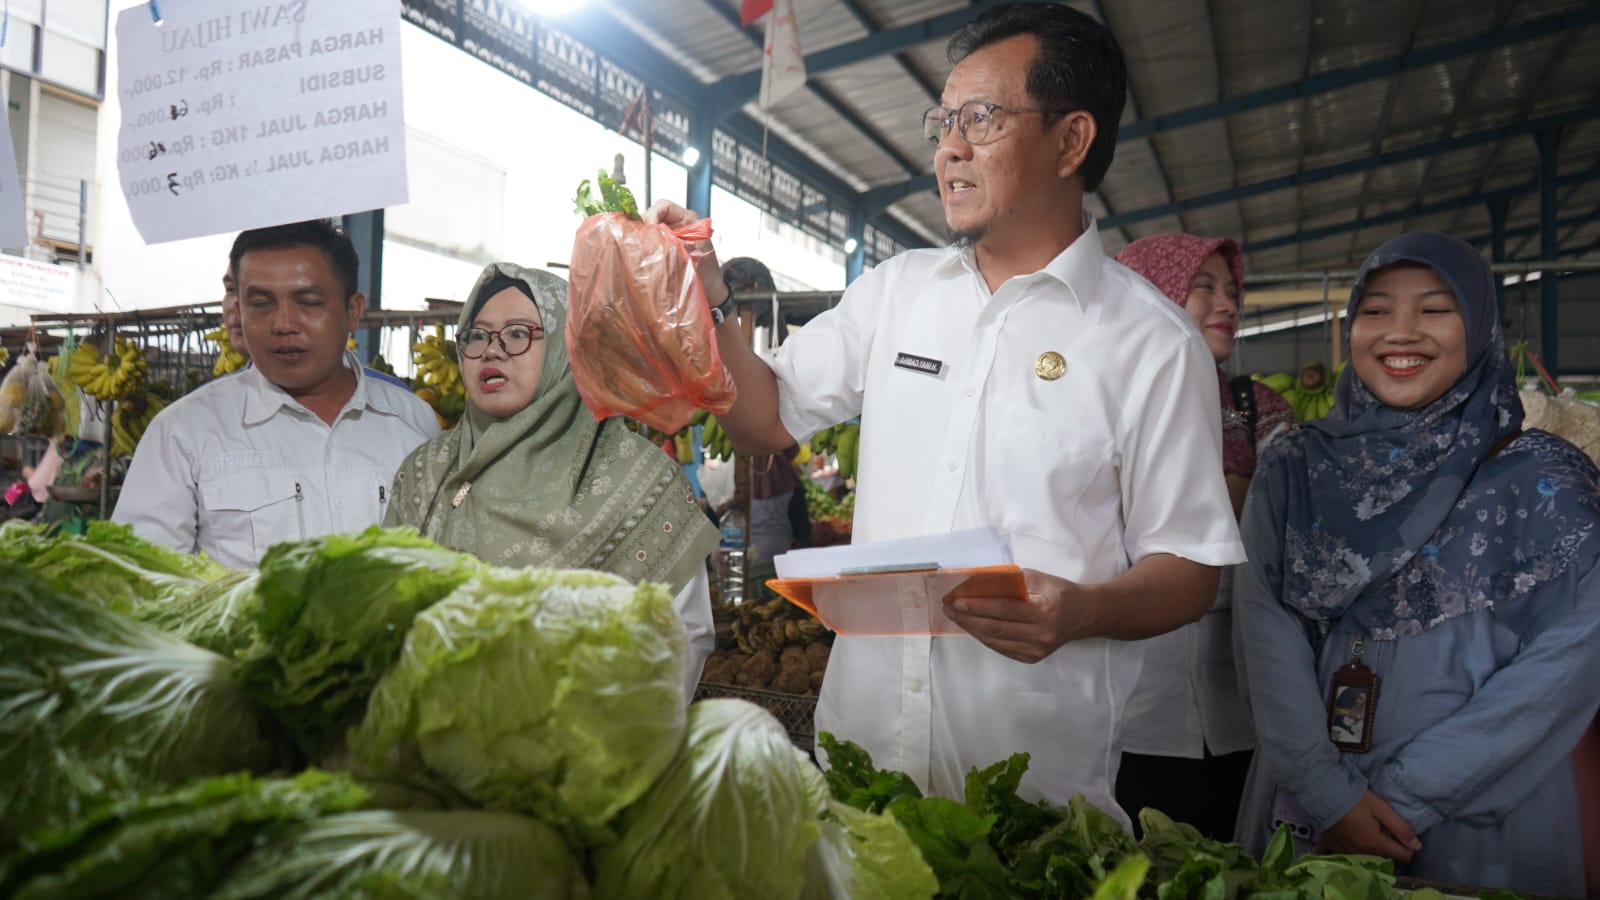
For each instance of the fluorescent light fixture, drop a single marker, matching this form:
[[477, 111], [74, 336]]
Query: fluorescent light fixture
[[691, 156], [851, 244]]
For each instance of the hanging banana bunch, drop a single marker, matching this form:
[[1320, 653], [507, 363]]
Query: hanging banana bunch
[[438, 377], [843, 441], [130, 420], [713, 440], [107, 378], [1310, 393], [229, 359]]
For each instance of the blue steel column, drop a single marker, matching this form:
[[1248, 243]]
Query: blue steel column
[[366, 232], [698, 196], [1498, 208], [1549, 324]]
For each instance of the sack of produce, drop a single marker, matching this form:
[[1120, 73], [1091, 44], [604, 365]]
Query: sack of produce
[[30, 402], [639, 332]]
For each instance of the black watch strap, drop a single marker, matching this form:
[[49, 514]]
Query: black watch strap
[[720, 314]]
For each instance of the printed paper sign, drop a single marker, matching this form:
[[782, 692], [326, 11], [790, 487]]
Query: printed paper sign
[[36, 285], [240, 114], [13, 227]]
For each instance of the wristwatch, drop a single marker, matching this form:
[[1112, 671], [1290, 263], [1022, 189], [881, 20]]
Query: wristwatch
[[720, 314]]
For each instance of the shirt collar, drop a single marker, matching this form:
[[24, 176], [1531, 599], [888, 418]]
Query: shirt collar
[[1077, 268], [263, 399]]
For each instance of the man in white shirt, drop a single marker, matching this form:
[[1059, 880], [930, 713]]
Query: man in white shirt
[[1023, 380], [300, 444]]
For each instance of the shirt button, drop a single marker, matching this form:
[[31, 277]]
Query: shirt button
[[970, 392], [951, 465]]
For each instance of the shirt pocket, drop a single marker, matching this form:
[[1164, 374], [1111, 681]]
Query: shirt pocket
[[245, 515], [1048, 475], [365, 497]]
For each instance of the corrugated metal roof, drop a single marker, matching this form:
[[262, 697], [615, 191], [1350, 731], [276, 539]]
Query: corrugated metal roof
[[1458, 115]]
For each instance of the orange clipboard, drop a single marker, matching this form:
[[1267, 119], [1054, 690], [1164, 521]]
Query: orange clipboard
[[900, 603]]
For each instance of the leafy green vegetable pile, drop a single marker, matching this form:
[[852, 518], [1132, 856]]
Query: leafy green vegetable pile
[[373, 716], [997, 845]]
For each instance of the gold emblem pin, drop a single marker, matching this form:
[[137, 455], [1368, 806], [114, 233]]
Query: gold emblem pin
[[1050, 365]]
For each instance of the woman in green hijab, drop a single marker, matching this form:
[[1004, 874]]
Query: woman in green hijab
[[529, 478]]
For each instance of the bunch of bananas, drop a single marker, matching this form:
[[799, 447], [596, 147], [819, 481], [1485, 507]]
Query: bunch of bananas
[[843, 441], [229, 359], [438, 377], [1310, 393], [713, 440], [130, 419], [107, 378]]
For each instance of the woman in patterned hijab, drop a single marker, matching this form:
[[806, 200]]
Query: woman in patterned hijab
[[529, 478], [1418, 530], [1186, 739]]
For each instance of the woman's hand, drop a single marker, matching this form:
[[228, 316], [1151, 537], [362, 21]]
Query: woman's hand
[[1372, 827]]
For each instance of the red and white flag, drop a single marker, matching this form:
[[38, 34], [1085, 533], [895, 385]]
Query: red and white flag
[[783, 67], [751, 10]]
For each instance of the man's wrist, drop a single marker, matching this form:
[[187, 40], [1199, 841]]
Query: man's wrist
[[721, 312]]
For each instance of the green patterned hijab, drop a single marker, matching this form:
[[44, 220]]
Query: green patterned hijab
[[550, 486]]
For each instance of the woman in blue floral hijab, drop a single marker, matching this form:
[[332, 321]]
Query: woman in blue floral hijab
[[1419, 545]]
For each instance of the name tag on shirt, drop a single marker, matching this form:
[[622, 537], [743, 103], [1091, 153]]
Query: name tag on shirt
[[918, 364]]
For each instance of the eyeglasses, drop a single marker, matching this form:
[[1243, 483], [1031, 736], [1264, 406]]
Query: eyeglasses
[[515, 340], [975, 118]]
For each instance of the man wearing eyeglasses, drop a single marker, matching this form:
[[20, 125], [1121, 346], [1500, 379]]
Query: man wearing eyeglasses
[[302, 443], [1019, 379]]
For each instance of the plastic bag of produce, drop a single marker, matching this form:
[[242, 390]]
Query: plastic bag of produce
[[639, 332], [30, 402]]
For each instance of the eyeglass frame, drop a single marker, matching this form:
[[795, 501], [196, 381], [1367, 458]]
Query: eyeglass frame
[[535, 333], [954, 118]]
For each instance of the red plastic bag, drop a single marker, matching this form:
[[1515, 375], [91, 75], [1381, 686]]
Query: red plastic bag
[[640, 337]]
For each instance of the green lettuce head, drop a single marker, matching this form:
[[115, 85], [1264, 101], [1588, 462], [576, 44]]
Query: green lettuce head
[[378, 853], [546, 692], [109, 565], [330, 615], [91, 701], [735, 816]]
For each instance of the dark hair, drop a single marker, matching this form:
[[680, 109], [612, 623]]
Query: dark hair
[[744, 274], [1078, 66], [318, 233]]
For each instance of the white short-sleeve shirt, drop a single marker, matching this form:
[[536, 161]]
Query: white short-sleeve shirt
[[239, 465], [1118, 458]]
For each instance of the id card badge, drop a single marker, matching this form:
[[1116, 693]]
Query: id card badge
[[1352, 703]]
